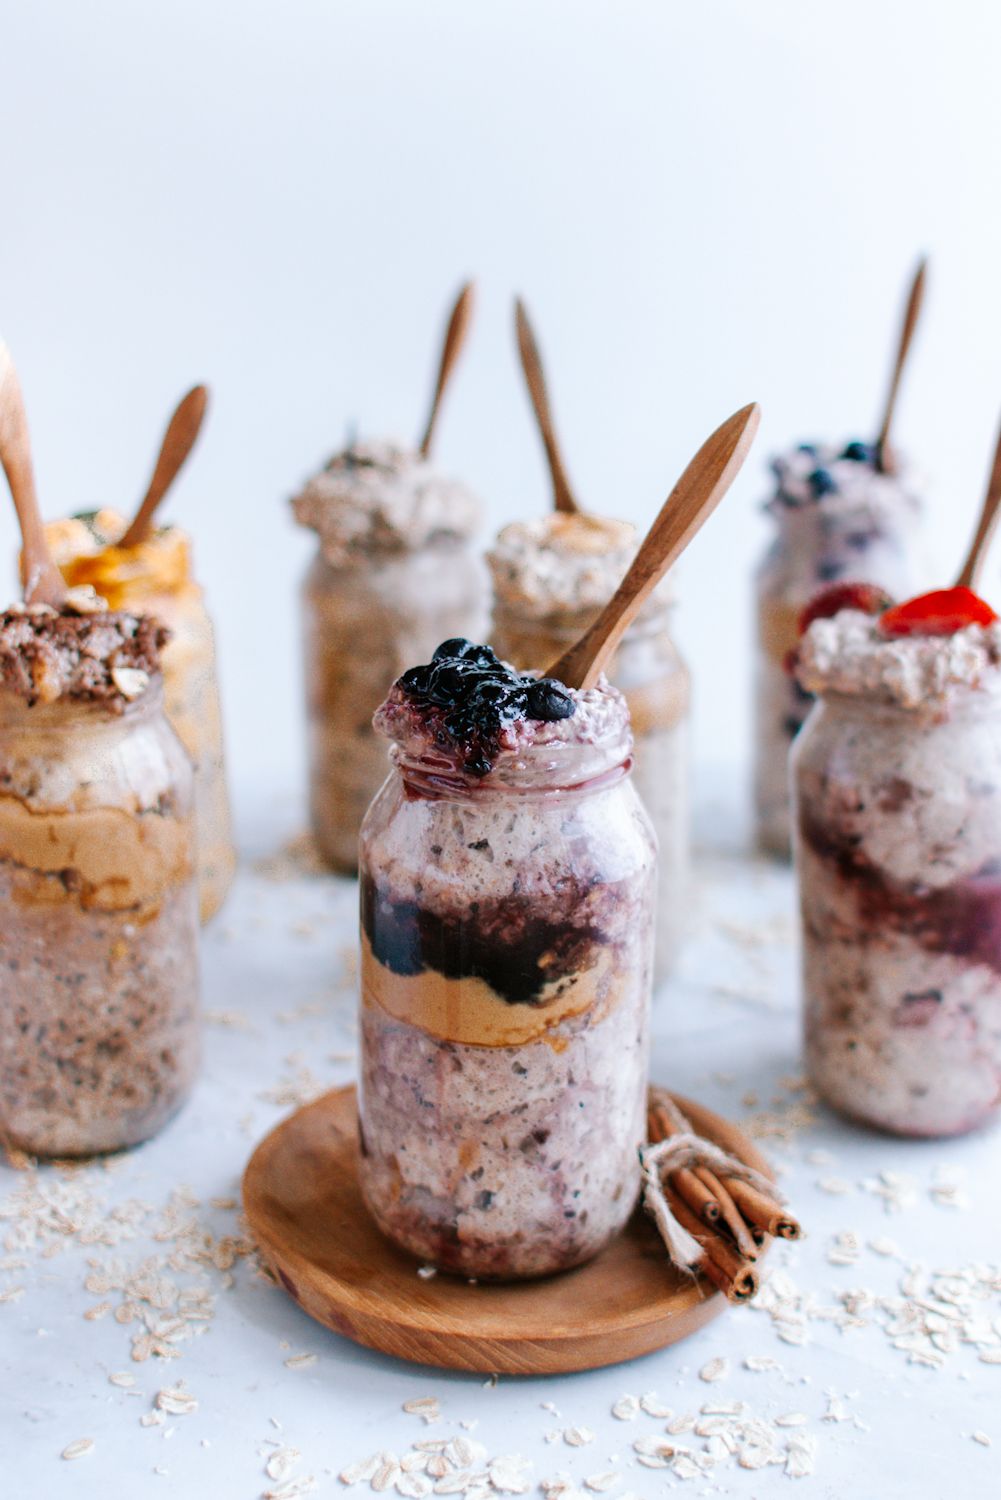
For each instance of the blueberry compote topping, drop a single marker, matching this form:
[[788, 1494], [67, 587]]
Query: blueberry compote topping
[[469, 696]]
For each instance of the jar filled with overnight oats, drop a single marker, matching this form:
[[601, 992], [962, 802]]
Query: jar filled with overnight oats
[[99, 994], [395, 573], [838, 518], [897, 805], [507, 902], [155, 576], [551, 578]]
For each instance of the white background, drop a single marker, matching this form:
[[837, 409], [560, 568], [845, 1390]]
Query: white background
[[703, 204]]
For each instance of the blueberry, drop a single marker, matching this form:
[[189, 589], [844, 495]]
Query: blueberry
[[809, 448], [548, 700], [457, 646], [858, 452], [415, 681], [459, 649], [822, 482], [447, 683]]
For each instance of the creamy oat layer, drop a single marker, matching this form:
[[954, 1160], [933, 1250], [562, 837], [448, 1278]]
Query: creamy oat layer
[[382, 497], [820, 472], [561, 564], [104, 656], [849, 655]]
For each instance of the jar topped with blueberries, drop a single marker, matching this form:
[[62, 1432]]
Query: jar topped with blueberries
[[840, 517]]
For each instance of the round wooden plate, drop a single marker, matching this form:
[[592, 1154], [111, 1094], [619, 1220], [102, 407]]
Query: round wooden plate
[[302, 1200]]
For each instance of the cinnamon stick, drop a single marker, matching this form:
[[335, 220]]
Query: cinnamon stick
[[761, 1210], [734, 1276], [728, 1213], [700, 1200]]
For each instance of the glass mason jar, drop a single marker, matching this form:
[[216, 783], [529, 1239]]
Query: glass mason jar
[[155, 577], [507, 943], [816, 545], [898, 855], [649, 671], [364, 623], [99, 998]]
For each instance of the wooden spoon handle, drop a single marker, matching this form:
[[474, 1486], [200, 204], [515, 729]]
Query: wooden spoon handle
[[989, 513], [178, 441], [884, 453], [531, 363], [455, 337], [691, 502], [43, 583]]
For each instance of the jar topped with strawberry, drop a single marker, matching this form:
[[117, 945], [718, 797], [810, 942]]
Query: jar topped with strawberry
[[844, 512]]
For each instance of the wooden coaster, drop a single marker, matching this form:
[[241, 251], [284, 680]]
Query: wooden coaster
[[302, 1199]]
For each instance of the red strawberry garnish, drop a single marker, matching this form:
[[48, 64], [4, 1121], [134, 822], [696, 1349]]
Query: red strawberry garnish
[[942, 612], [866, 597]]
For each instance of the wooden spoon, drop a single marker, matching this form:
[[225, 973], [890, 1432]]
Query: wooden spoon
[[884, 453], [42, 581], [989, 513], [178, 441], [455, 337], [531, 363], [691, 502]]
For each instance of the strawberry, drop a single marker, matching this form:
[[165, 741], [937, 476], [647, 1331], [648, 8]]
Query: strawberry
[[866, 597], [942, 612]]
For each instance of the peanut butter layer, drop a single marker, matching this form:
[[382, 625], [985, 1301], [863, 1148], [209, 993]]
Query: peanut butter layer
[[117, 861], [469, 1012]]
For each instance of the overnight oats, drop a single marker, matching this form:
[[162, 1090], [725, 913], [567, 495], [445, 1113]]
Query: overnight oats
[[507, 895], [838, 517], [394, 574], [155, 576], [897, 794], [551, 578], [99, 1002]]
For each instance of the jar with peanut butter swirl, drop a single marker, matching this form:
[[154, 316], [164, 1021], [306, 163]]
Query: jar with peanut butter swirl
[[551, 578], [99, 994], [394, 574], [507, 902], [155, 576], [839, 519]]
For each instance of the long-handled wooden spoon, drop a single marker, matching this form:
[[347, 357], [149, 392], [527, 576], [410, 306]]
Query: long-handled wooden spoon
[[41, 579], [178, 441], [989, 514], [884, 453], [455, 337], [531, 363], [691, 502]]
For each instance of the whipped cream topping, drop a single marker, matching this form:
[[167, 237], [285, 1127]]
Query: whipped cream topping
[[595, 738], [820, 474], [380, 496], [561, 564], [848, 654]]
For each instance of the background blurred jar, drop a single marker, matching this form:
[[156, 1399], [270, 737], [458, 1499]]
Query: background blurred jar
[[395, 574], [155, 577], [898, 857], [838, 519], [99, 993]]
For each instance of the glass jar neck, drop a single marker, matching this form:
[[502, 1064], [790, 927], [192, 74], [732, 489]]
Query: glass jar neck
[[960, 701], [535, 772], [563, 627]]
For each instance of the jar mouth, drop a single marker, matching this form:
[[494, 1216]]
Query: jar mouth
[[438, 777], [564, 626]]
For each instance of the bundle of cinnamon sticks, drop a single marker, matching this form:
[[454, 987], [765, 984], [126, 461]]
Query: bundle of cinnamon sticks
[[731, 1220]]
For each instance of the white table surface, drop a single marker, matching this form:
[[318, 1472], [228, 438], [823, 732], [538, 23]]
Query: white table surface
[[279, 991]]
